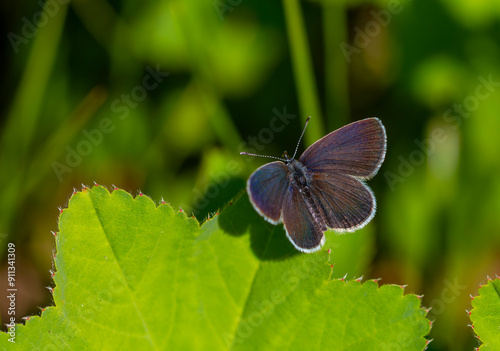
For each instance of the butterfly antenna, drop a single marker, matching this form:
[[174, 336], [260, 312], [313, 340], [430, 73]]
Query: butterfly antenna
[[275, 158], [301, 135]]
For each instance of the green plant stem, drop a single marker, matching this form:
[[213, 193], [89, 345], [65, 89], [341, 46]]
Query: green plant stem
[[336, 68], [24, 115], [303, 70]]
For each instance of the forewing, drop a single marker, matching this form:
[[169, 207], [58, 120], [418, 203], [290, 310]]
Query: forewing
[[305, 233], [357, 149], [266, 189], [345, 202]]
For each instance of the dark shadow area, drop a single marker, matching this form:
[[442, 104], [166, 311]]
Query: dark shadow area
[[215, 197], [269, 242]]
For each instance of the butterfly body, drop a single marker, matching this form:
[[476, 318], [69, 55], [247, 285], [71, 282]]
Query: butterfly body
[[299, 175], [302, 179], [324, 189]]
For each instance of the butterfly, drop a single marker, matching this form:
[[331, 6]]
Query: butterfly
[[324, 189]]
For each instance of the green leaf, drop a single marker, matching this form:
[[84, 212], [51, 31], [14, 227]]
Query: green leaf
[[485, 315], [131, 275]]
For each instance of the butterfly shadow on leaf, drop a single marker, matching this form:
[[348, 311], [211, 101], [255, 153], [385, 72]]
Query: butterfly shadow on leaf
[[268, 241]]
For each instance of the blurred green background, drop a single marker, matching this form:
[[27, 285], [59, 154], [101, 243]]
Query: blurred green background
[[161, 96]]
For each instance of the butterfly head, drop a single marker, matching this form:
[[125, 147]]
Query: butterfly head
[[287, 159]]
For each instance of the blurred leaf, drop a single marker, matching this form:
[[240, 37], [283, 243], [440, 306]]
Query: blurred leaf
[[474, 13], [253, 49], [439, 80], [135, 276], [485, 315], [193, 38], [187, 119], [481, 124], [418, 241], [48, 156]]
